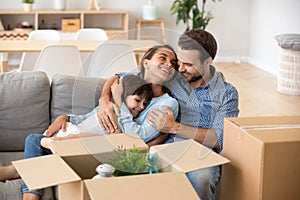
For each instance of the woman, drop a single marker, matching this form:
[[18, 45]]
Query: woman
[[157, 66]]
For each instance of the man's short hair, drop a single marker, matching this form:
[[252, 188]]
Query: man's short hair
[[201, 40]]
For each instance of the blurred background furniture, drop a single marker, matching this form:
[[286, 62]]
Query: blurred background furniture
[[28, 60], [12, 46], [59, 59], [288, 80], [11, 35], [110, 58], [151, 29], [87, 18], [89, 34]]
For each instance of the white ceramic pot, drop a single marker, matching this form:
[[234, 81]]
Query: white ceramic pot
[[59, 4], [27, 7]]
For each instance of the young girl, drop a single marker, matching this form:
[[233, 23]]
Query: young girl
[[130, 94]]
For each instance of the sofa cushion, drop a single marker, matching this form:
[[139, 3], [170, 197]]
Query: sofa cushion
[[24, 107], [74, 95], [12, 190]]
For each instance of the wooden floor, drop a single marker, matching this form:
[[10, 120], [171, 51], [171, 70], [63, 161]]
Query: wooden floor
[[258, 95]]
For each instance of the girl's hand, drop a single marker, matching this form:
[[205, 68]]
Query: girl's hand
[[59, 123]]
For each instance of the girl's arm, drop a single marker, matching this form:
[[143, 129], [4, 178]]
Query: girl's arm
[[140, 125], [46, 141]]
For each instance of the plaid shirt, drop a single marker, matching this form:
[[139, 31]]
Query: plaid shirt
[[205, 106]]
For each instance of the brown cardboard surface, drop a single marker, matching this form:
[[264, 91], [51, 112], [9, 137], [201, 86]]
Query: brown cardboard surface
[[82, 164], [264, 160], [186, 156], [276, 135], [71, 169], [266, 121], [73, 191], [281, 178], [162, 186], [73, 161], [97, 144], [243, 171], [45, 171]]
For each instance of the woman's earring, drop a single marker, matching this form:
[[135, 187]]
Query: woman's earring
[[145, 65]]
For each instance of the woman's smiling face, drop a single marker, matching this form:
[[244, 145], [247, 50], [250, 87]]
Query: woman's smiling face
[[162, 65]]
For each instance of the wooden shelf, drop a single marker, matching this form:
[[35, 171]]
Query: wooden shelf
[[52, 18]]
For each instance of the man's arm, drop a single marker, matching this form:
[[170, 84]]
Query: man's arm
[[166, 123], [106, 115]]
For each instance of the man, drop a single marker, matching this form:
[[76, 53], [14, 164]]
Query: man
[[205, 100]]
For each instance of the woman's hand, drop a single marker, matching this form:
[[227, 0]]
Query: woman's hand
[[59, 123]]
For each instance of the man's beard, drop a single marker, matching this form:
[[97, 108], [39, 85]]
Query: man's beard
[[196, 78]]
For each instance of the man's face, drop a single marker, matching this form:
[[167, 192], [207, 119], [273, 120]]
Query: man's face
[[190, 65]]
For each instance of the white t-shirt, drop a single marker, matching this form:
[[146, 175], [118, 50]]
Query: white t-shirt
[[90, 125]]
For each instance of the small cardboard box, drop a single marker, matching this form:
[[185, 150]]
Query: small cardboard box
[[70, 24], [264, 155], [75, 161]]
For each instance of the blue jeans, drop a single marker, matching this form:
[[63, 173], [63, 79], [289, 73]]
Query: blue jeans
[[204, 181], [33, 149]]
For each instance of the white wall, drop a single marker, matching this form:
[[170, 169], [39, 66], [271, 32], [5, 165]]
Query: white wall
[[231, 28], [244, 29], [269, 18]]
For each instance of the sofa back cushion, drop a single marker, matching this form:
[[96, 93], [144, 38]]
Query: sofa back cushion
[[74, 95], [24, 107]]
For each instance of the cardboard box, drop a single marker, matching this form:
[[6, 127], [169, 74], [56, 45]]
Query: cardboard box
[[264, 155], [74, 164], [70, 24]]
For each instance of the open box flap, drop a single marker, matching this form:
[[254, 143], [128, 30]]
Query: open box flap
[[97, 144], [186, 156], [276, 135], [128, 140], [266, 122], [45, 171], [162, 186]]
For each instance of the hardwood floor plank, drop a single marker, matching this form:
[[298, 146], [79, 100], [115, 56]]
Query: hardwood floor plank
[[258, 95]]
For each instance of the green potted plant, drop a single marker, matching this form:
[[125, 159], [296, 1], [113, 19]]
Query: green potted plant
[[27, 5], [188, 12], [129, 161]]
